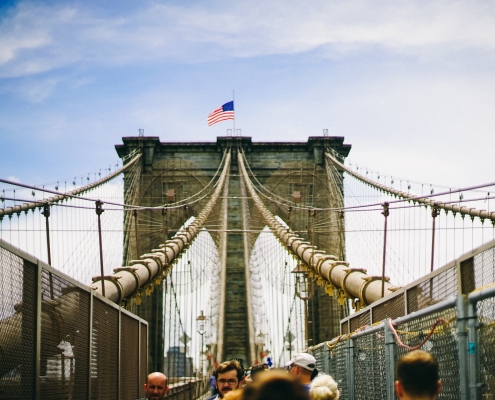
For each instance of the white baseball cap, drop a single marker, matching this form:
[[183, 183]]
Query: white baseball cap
[[304, 360]]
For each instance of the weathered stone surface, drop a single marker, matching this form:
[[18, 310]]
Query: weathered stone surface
[[282, 167]]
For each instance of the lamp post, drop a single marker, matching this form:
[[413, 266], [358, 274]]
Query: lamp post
[[260, 343], [305, 291], [304, 287], [289, 338], [201, 329]]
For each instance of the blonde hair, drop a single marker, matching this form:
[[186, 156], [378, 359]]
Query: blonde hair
[[323, 387]]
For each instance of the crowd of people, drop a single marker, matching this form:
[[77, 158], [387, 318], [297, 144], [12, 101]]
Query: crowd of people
[[417, 378]]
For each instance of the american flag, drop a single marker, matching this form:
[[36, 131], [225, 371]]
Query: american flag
[[222, 113]]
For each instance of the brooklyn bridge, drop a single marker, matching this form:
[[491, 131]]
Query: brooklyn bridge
[[188, 254]]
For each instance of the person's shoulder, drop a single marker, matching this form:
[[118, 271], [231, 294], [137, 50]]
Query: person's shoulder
[[212, 397]]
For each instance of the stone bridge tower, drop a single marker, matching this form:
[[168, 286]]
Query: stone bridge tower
[[295, 171]]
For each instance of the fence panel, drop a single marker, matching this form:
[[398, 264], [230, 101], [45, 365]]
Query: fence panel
[[320, 353], [18, 326], [338, 368], [64, 339], [104, 361], [486, 346], [331, 360], [442, 343], [129, 358], [59, 340], [143, 356], [369, 366]]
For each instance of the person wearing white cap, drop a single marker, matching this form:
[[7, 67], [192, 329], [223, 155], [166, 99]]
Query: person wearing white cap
[[304, 366]]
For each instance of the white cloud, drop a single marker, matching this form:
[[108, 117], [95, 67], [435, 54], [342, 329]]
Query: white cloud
[[41, 38], [38, 90], [13, 178]]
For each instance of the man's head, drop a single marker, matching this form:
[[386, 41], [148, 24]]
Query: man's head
[[156, 387], [258, 369], [276, 385], [229, 376], [417, 376], [304, 365]]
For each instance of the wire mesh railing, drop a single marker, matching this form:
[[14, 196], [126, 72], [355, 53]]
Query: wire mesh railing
[[61, 340], [456, 325]]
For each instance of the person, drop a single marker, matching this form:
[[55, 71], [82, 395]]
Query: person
[[323, 387], [233, 395], [213, 385], [156, 386], [303, 365], [257, 369], [417, 376], [275, 385], [229, 376]]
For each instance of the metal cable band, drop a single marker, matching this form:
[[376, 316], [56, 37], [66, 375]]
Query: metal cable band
[[133, 272], [115, 280]]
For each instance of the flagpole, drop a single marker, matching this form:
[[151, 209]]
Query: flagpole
[[233, 93]]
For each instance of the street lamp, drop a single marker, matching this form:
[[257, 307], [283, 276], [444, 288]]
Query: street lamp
[[305, 291], [260, 339], [260, 343], [304, 287], [201, 329]]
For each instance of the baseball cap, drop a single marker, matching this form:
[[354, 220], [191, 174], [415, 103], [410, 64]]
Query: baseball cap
[[304, 360]]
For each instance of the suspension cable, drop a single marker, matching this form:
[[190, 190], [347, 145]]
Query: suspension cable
[[473, 212], [61, 196]]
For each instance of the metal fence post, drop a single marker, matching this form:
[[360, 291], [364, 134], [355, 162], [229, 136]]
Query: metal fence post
[[350, 368], [90, 345], [389, 360], [39, 298], [139, 357], [119, 383], [475, 384], [326, 353], [462, 339]]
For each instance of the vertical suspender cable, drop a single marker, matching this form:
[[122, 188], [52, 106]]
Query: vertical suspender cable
[[385, 213], [99, 210], [46, 213], [434, 214]]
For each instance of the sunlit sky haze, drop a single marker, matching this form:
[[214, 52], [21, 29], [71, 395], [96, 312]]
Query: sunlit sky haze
[[411, 85]]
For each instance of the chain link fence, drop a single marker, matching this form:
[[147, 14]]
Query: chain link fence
[[60, 340], [451, 311]]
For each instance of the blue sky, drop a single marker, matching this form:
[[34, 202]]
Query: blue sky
[[410, 84]]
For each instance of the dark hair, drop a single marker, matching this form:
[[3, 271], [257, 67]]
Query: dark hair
[[276, 385], [256, 369], [227, 366], [418, 373]]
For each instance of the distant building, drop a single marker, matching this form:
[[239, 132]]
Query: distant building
[[176, 364]]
